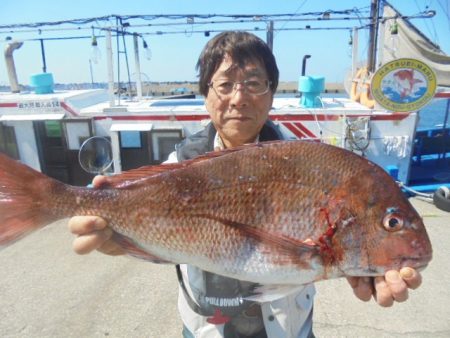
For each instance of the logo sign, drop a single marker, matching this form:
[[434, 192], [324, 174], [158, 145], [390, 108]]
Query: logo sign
[[403, 85]]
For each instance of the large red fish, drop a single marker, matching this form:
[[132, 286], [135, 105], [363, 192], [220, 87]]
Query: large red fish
[[287, 212]]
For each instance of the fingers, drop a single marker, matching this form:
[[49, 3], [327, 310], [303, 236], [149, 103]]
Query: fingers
[[387, 289], [362, 287], [92, 241], [100, 182], [390, 288], [80, 225], [411, 277], [91, 233]]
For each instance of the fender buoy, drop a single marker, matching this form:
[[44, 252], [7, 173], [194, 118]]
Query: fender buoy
[[366, 96], [441, 198], [360, 91], [355, 92]]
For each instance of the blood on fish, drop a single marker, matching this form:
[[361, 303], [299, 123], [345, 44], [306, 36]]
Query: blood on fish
[[326, 237]]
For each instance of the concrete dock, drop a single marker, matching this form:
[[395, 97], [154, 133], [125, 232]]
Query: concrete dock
[[46, 290]]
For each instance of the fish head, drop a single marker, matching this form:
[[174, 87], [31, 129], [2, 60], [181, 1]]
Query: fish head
[[382, 231]]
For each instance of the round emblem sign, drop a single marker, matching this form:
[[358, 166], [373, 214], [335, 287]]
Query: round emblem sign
[[403, 85]]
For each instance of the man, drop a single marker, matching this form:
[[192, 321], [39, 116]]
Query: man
[[238, 77]]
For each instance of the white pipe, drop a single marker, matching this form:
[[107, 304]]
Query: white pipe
[[380, 47], [10, 67], [354, 52], [138, 68], [115, 144], [110, 64]]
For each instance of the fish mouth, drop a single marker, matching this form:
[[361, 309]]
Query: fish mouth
[[416, 262]]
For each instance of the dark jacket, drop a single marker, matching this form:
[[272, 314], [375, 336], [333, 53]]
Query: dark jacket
[[203, 141], [216, 290]]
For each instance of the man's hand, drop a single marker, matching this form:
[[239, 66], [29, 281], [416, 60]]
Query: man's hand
[[92, 231], [387, 289]]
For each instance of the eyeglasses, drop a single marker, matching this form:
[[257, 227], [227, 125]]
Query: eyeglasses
[[254, 86]]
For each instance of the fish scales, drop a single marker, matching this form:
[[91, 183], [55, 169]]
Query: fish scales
[[287, 212]]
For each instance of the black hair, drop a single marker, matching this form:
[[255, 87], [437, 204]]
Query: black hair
[[242, 47]]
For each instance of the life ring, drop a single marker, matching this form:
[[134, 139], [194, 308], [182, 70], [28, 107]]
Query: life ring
[[441, 198], [360, 91]]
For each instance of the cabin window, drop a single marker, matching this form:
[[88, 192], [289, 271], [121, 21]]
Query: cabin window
[[130, 139], [76, 133], [8, 143], [52, 128], [163, 143]]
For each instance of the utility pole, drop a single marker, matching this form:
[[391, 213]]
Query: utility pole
[[270, 35]]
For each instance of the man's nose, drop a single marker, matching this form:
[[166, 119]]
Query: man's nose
[[238, 96]]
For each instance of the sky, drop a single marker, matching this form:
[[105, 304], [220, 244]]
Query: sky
[[173, 56]]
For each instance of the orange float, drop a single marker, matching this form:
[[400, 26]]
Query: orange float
[[360, 90]]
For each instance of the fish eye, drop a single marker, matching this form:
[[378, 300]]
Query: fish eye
[[393, 222]]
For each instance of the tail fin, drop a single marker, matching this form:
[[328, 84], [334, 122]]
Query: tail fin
[[23, 199]]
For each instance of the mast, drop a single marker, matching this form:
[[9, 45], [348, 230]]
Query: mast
[[372, 50]]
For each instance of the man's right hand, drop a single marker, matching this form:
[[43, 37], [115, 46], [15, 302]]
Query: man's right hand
[[92, 231]]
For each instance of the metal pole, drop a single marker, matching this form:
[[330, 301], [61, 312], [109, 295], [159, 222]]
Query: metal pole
[[372, 36], [304, 64], [44, 67], [355, 52], [118, 60], [92, 75], [445, 132], [110, 65], [270, 35], [137, 67]]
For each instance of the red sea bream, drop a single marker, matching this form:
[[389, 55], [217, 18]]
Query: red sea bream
[[288, 212]]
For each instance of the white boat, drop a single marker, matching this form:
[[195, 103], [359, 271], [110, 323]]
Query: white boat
[[47, 130]]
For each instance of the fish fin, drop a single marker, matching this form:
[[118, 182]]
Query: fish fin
[[125, 179], [23, 201], [269, 293], [289, 250], [134, 250], [283, 243]]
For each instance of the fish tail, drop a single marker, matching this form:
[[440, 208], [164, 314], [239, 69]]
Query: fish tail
[[24, 200]]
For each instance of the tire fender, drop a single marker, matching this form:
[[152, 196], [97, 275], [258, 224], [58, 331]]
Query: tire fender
[[441, 198]]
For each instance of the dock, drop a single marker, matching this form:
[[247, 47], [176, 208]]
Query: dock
[[46, 290], [174, 88]]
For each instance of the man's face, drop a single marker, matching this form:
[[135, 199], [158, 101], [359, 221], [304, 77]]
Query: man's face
[[238, 116]]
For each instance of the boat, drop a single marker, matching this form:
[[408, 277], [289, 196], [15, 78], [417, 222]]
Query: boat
[[46, 128]]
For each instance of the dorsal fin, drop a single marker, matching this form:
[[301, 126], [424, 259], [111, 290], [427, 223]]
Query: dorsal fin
[[126, 178]]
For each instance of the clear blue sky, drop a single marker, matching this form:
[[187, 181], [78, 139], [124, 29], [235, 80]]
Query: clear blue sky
[[174, 55]]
